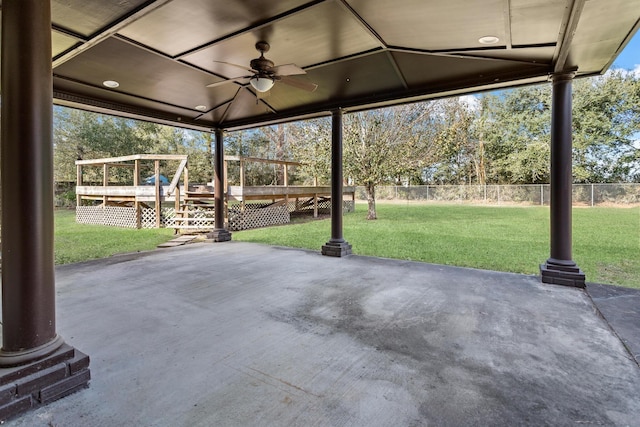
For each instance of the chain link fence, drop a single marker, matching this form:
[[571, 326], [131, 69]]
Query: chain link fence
[[532, 194]]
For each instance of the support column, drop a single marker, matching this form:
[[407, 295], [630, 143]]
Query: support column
[[219, 233], [560, 269], [36, 366], [336, 246]]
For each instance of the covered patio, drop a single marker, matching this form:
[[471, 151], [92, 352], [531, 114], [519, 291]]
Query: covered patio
[[196, 64], [268, 336]]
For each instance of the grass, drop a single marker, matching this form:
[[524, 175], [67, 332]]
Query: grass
[[80, 242], [606, 241]]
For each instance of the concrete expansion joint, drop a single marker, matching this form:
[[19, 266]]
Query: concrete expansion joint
[[632, 356]]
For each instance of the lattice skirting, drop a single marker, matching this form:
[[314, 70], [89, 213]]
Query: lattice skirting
[[256, 215], [324, 205], [148, 217], [116, 216]]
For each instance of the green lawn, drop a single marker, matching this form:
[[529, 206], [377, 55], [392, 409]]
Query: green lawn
[[606, 240], [81, 242]]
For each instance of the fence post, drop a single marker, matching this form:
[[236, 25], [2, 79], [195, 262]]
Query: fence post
[[541, 195], [498, 193], [485, 193], [427, 193], [591, 195]]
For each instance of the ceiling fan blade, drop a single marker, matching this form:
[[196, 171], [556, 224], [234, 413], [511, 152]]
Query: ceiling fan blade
[[262, 95], [300, 84], [288, 70], [235, 80], [230, 64]]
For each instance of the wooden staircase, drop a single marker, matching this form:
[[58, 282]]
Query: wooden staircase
[[196, 212]]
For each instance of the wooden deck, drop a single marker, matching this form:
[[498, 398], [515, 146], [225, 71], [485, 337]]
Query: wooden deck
[[193, 203], [281, 192]]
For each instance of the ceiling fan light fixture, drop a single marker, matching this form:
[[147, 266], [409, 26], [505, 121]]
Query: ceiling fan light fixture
[[261, 84]]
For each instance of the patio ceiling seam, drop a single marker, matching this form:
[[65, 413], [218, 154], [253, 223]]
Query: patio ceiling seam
[[69, 33], [163, 55], [253, 27], [373, 33], [109, 30], [415, 95], [507, 24], [459, 53]]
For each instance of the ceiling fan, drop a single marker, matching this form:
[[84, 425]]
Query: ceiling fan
[[264, 74]]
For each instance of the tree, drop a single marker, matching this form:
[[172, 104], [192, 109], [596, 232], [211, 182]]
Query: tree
[[382, 144], [310, 144], [606, 122], [249, 143], [459, 155], [516, 130], [515, 126], [81, 135]]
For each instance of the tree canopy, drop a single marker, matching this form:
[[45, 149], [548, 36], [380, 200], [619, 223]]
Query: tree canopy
[[501, 137]]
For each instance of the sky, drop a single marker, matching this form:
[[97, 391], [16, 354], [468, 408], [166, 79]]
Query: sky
[[629, 58]]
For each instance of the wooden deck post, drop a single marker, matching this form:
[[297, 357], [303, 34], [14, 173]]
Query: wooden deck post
[[105, 183], [226, 192], [336, 246], [315, 205], [29, 337], [136, 203], [156, 173], [219, 233], [78, 183]]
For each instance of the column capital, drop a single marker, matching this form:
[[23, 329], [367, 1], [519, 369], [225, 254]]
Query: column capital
[[564, 75]]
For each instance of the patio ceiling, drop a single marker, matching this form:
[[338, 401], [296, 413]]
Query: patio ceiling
[[360, 53]]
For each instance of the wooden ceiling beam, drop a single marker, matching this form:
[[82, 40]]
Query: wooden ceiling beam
[[567, 31]]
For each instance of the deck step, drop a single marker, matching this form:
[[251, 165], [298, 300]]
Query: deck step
[[178, 241]]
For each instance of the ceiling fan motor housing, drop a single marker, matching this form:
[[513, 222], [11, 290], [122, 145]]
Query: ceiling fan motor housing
[[262, 65]]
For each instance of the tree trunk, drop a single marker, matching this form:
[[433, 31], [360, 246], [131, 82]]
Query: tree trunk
[[371, 201]]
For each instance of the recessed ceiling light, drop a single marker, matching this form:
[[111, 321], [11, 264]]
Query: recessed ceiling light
[[201, 107], [111, 83], [489, 40]]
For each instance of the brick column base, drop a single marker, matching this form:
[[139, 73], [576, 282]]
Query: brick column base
[[336, 249], [562, 273], [219, 235], [28, 386]]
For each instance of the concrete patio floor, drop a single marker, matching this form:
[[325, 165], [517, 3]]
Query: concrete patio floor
[[239, 334]]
